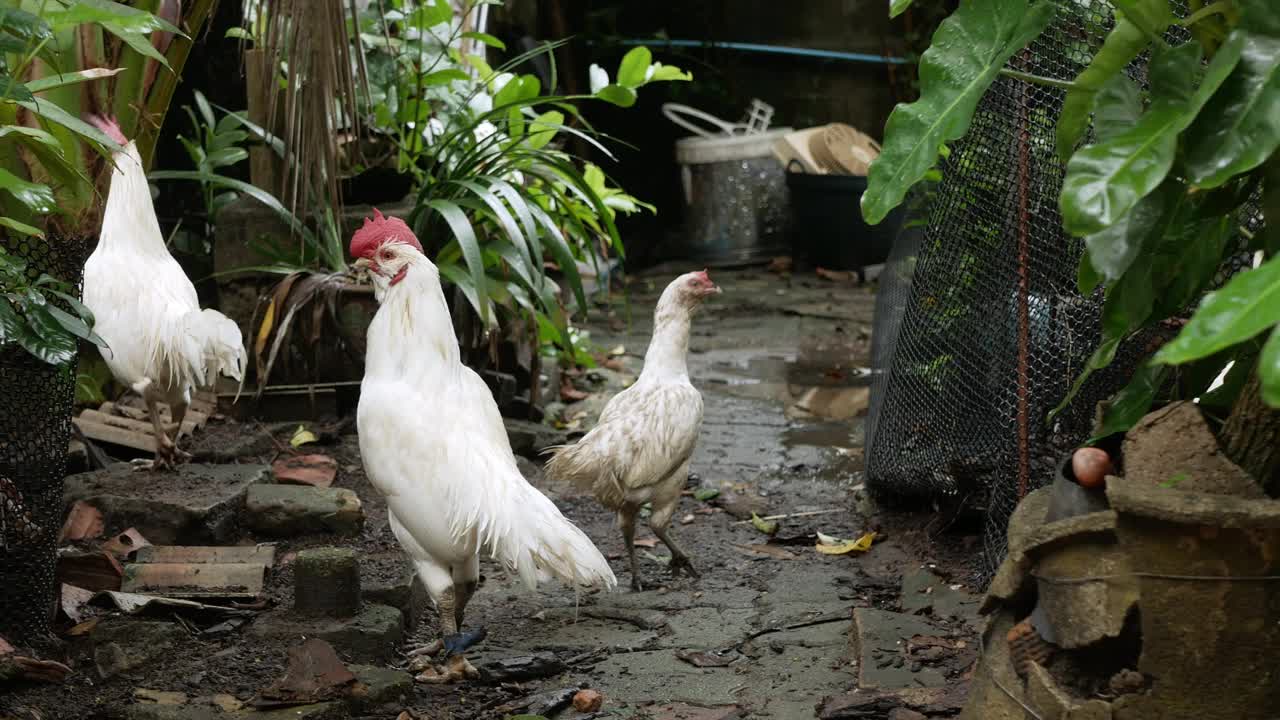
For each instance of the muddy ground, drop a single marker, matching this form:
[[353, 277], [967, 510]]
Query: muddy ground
[[781, 361]]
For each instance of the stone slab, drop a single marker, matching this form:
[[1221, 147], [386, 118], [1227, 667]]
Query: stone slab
[[881, 648], [293, 510], [191, 504], [371, 636]]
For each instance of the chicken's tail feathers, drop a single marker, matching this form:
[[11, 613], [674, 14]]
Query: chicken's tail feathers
[[219, 345], [537, 542], [572, 464]]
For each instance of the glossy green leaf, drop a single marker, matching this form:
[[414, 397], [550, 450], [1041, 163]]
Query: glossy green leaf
[[80, 308], [617, 95], [1117, 107], [1087, 277], [75, 325], [485, 38], [24, 25], [104, 12], [1134, 401], [1112, 249], [21, 228], [443, 77], [1105, 180], [897, 7], [1153, 16], [967, 53], [140, 42], [12, 326], [11, 89], [1121, 46], [29, 134], [50, 82], [1269, 369], [1248, 304], [227, 156], [1101, 357], [53, 113], [46, 338], [36, 197], [668, 73], [1240, 127], [543, 129], [466, 237], [633, 67]]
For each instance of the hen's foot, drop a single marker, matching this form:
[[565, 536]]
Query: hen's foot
[[431, 649], [455, 669], [157, 464], [458, 643], [181, 456], [679, 563]]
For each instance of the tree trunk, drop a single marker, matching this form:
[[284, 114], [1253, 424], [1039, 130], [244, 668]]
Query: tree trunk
[[1251, 436]]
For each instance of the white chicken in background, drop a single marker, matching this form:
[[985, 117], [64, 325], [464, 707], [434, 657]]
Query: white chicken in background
[[639, 450], [159, 342], [434, 444]]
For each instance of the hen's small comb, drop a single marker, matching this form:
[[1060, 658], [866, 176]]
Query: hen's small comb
[[703, 276], [378, 230], [109, 127]]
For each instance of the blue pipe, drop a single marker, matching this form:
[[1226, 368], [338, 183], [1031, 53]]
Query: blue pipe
[[775, 49]]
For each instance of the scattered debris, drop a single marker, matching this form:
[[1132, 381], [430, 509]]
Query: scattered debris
[[789, 516], [153, 605], [257, 554], [569, 393], [159, 697], [84, 522], [301, 437], [641, 618], [765, 550], [124, 644], [704, 659], [881, 648], [543, 703], [73, 600], [828, 545], [682, 711], [780, 265], [314, 674], [126, 543], [521, 668], [768, 527], [314, 470], [841, 276], [18, 667], [704, 494], [1027, 647], [241, 581], [91, 570], [588, 701], [646, 542]]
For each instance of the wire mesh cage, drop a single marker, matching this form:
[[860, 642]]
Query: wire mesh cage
[[980, 328], [35, 428]]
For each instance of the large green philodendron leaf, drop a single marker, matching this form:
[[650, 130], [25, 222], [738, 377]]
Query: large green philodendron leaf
[[897, 7], [1269, 370], [1243, 308], [968, 51], [1105, 180], [1240, 127], [1125, 41]]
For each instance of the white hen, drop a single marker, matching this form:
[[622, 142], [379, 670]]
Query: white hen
[[435, 446], [639, 450], [159, 341]]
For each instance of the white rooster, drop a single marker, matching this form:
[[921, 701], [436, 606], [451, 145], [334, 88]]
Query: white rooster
[[159, 342], [435, 446], [639, 450]]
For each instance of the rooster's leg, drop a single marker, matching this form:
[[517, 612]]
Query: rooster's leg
[[659, 522], [627, 520], [466, 578], [440, 584], [164, 446], [179, 412]]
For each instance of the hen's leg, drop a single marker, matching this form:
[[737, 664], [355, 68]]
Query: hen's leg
[[466, 577], [627, 519], [659, 522]]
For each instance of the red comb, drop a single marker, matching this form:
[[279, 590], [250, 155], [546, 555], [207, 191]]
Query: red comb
[[109, 127], [378, 230], [702, 275]]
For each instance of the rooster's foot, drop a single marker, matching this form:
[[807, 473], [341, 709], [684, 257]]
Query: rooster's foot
[[455, 669], [458, 643], [679, 563], [157, 464], [636, 585], [181, 456], [431, 649]]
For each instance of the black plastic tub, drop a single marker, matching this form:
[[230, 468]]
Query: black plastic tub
[[828, 225]]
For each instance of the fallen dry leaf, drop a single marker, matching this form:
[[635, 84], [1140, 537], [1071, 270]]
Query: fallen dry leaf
[[569, 393], [314, 470], [828, 545], [835, 275], [73, 601], [768, 527], [647, 542], [125, 543], [301, 437]]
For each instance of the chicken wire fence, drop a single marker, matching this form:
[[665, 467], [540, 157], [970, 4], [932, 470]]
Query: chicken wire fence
[[35, 427], [980, 329]]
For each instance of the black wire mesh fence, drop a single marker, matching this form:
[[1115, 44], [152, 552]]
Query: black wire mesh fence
[[980, 329], [35, 428]]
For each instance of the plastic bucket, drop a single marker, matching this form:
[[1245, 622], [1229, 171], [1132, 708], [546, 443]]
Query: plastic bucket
[[828, 227]]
